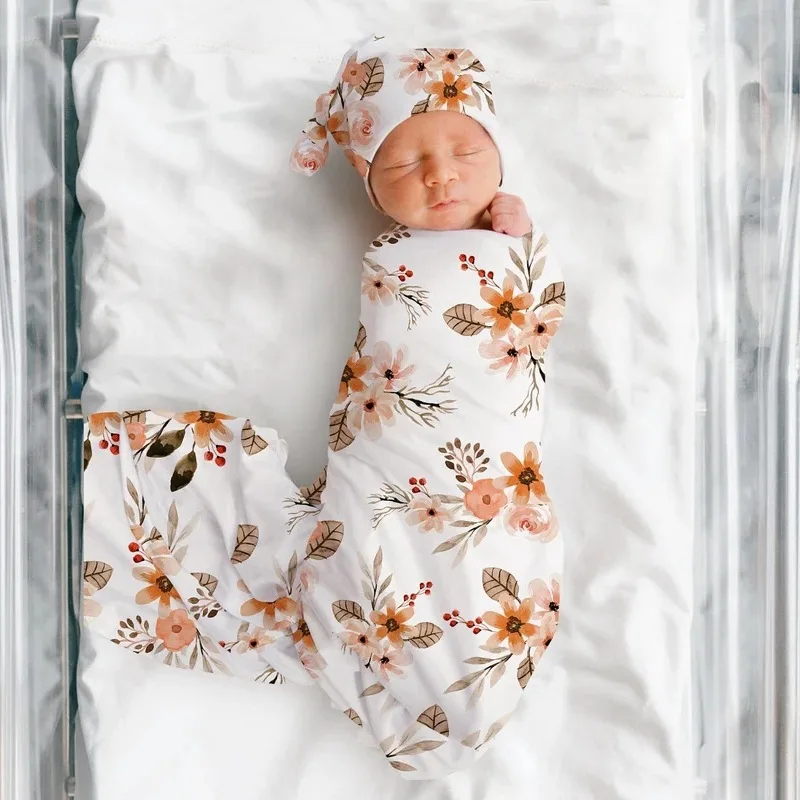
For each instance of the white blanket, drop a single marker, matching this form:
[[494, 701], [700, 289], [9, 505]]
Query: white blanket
[[191, 253]]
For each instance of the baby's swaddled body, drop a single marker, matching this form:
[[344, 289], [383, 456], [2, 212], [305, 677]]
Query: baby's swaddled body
[[444, 593]]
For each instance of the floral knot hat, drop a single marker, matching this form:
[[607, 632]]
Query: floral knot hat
[[380, 84]]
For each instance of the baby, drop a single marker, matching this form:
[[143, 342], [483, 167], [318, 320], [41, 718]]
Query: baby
[[419, 586], [444, 595]]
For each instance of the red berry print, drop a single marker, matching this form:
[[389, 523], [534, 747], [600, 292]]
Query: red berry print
[[402, 278], [470, 623], [464, 267], [482, 273], [114, 449], [209, 456], [479, 620], [138, 558], [103, 444], [472, 259], [412, 481], [220, 461], [483, 281], [114, 437], [416, 490], [133, 547], [221, 449], [456, 612], [462, 257], [422, 481], [410, 274], [446, 617], [490, 275], [429, 584], [476, 630], [453, 623]]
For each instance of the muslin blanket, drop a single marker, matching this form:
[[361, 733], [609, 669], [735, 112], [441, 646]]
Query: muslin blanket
[[416, 582]]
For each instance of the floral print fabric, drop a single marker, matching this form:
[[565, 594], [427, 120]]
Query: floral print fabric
[[417, 581]]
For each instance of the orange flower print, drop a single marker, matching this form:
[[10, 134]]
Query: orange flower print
[[505, 354], [302, 636], [391, 623], [318, 133], [428, 513], [159, 587], [337, 125], [547, 598], [309, 156], [283, 605], [544, 636], [136, 435], [99, 422], [525, 476], [354, 370], [371, 409], [361, 638], [176, 630], [485, 500], [450, 92], [452, 60], [541, 325], [507, 309], [359, 162], [354, 73], [390, 663], [254, 639], [416, 70], [391, 365], [379, 286], [205, 424], [363, 118], [513, 627], [535, 521]]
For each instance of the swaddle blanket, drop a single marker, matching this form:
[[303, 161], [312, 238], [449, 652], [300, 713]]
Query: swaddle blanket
[[417, 581]]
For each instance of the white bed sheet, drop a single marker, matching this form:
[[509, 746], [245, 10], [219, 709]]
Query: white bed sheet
[[214, 277]]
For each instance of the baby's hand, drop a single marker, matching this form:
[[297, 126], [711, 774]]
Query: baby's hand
[[509, 215]]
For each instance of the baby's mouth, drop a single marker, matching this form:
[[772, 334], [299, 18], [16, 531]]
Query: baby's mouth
[[445, 205]]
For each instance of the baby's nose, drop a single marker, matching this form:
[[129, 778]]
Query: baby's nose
[[440, 171]]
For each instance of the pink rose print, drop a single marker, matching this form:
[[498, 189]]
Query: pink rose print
[[308, 156], [363, 118], [536, 521]]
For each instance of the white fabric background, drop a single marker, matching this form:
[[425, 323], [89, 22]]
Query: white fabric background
[[214, 277]]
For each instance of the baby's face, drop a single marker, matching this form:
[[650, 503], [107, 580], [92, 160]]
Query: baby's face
[[436, 171]]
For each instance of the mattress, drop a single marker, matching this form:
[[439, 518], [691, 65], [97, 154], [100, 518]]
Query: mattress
[[203, 288]]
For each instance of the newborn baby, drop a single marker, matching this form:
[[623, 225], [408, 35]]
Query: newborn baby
[[419, 588], [444, 594]]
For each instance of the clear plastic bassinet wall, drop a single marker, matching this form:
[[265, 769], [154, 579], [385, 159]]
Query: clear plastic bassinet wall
[[747, 650]]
